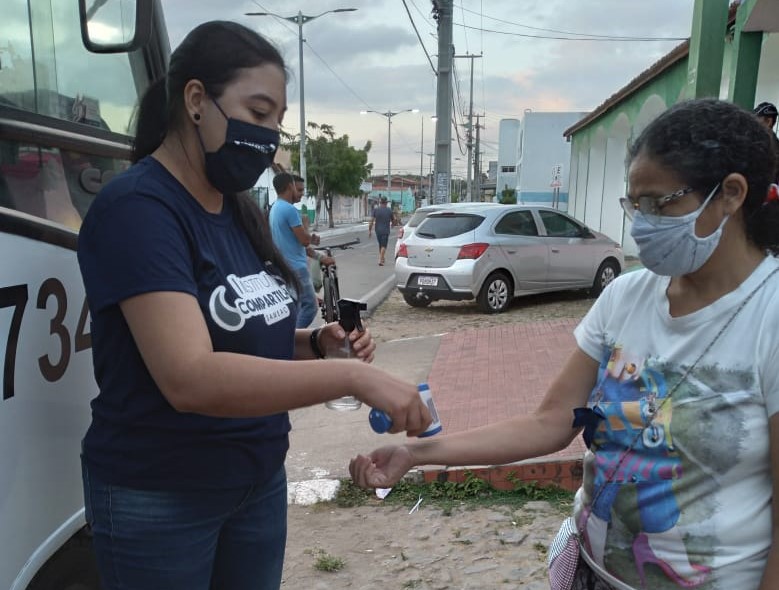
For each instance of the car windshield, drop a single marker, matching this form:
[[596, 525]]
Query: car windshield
[[448, 224]]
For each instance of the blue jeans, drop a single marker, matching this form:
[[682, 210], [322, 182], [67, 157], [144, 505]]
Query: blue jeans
[[231, 539], [307, 305]]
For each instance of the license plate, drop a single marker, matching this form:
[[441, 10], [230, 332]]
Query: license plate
[[427, 281]]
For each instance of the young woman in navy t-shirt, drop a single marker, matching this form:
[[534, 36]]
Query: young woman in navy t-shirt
[[193, 326]]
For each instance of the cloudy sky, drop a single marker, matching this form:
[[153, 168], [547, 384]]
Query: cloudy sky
[[371, 59]]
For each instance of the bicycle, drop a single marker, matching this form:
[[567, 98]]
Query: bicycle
[[328, 304]]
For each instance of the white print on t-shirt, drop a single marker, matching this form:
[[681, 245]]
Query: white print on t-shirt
[[258, 294]]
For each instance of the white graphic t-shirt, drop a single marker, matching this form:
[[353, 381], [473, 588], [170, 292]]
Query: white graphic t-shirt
[[678, 491]]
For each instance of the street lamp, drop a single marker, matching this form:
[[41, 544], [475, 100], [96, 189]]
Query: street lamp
[[389, 115], [422, 149], [301, 19]]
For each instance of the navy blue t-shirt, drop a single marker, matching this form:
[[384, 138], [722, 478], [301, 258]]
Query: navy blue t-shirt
[[146, 233]]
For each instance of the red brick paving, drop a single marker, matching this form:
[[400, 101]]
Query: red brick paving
[[485, 375]]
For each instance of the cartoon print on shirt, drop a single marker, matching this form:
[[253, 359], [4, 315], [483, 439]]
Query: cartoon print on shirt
[[259, 294], [631, 394]]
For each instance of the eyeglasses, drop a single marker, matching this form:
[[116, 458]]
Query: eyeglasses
[[651, 206]]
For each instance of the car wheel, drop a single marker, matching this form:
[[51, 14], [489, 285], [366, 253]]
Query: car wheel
[[496, 293], [418, 299], [607, 272]]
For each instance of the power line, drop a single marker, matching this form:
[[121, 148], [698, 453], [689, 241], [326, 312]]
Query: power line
[[424, 18], [413, 24], [327, 65], [590, 38], [467, 50], [481, 51], [345, 85], [588, 35]]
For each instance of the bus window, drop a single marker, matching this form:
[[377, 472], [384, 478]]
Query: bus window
[[53, 184], [67, 81], [16, 68]]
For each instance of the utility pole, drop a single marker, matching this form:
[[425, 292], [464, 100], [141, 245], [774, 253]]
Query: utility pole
[[389, 115], [421, 157], [469, 126], [430, 180], [477, 161], [301, 19], [443, 13]]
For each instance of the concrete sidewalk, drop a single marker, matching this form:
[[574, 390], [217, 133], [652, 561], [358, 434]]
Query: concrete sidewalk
[[477, 377]]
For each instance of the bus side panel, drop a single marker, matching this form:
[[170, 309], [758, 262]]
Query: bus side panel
[[47, 384]]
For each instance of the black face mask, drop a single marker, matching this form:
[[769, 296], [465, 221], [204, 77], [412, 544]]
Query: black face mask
[[247, 152]]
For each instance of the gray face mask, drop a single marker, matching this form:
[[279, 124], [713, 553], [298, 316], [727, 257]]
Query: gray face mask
[[668, 245]]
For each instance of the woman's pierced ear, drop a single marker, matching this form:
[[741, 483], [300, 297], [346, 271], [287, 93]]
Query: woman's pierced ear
[[734, 189], [196, 116]]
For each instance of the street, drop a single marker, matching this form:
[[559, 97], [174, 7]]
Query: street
[[359, 275]]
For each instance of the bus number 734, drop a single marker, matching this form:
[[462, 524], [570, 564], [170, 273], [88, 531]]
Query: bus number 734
[[52, 365]]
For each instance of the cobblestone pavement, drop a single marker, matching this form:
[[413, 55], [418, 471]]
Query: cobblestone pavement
[[385, 547], [395, 319]]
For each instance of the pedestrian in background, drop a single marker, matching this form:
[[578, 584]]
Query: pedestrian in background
[[193, 335], [294, 241], [766, 112], [675, 381], [381, 219]]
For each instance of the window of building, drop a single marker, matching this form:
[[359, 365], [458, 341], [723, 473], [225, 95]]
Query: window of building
[[508, 169]]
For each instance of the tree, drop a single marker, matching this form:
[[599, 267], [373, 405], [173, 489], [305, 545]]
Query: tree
[[333, 167], [508, 196]]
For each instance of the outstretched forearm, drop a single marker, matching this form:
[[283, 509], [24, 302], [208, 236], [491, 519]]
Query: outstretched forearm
[[546, 430]]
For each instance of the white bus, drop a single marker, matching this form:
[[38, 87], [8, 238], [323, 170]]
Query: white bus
[[71, 73]]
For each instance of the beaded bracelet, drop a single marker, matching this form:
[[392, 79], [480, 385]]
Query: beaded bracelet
[[315, 343]]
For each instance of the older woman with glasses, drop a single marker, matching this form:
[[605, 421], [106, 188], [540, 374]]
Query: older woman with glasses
[[675, 380]]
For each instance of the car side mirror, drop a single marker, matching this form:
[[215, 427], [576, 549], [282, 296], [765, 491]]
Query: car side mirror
[[115, 26], [587, 233]]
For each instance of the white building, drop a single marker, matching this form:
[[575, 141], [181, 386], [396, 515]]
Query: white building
[[533, 157], [544, 154], [508, 155]]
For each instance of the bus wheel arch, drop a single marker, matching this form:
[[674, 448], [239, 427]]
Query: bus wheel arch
[[72, 567]]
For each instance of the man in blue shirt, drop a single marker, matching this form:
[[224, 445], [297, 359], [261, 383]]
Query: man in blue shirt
[[382, 217], [293, 239]]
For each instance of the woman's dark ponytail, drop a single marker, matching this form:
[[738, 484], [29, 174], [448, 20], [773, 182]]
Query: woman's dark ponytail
[[151, 121], [255, 224]]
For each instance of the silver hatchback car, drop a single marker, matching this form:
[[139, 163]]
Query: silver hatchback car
[[495, 253]]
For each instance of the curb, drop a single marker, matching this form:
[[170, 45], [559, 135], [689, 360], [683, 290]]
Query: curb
[[377, 295], [562, 473], [338, 231]]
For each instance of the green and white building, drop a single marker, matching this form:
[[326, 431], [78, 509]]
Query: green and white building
[[732, 53]]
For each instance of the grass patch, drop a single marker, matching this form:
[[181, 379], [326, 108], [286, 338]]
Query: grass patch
[[447, 494], [328, 563], [541, 548]]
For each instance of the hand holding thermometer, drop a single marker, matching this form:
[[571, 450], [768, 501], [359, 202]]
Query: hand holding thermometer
[[381, 422]]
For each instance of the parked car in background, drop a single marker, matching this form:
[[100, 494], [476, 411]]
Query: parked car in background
[[421, 214], [493, 253]]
